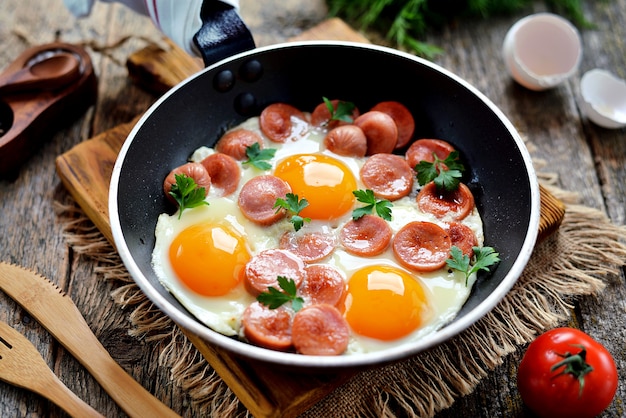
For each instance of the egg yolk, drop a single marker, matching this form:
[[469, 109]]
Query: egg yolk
[[209, 258], [385, 303], [325, 182]]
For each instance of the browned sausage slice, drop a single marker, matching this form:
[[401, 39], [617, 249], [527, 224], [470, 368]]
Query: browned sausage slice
[[323, 284], [194, 170], [346, 140], [403, 118], [380, 130], [263, 269], [422, 246], [423, 150], [367, 236], [309, 246], [224, 171], [462, 237], [321, 115], [320, 330], [234, 143], [258, 196], [269, 328], [389, 176], [275, 121], [455, 205]]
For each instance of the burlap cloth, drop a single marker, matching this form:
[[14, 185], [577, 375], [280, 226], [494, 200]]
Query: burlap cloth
[[563, 268]]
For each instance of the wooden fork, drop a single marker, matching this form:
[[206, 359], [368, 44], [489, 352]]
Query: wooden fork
[[22, 365]]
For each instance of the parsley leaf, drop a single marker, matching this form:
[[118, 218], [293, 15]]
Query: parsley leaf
[[381, 206], [445, 173], [484, 257], [258, 157], [187, 193], [343, 111], [274, 298], [293, 205]]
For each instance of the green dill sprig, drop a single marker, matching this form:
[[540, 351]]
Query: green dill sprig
[[405, 22]]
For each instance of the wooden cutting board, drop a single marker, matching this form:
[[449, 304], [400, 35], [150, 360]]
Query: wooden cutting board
[[85, 170]]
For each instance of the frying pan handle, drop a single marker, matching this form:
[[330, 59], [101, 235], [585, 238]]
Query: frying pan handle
[[222, 34]]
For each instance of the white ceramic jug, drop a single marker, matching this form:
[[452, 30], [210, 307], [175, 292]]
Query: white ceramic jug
[[211, 29]]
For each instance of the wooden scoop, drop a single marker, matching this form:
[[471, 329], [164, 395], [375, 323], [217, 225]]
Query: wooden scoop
[[47, 72], [21, 365]]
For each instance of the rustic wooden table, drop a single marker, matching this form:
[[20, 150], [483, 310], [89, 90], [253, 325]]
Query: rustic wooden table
[[587, 159]]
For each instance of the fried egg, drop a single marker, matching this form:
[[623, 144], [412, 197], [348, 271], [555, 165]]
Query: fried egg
[[200, 258]]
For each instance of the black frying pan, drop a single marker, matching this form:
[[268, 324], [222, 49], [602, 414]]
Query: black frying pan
[[199, 110]]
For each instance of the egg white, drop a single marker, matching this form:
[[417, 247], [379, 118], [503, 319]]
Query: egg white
[[446, 290]]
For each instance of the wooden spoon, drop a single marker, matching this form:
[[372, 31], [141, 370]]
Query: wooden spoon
[[48, 73], [22, 365], [56, 312]]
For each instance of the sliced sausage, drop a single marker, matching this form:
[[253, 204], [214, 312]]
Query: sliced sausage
[[309, 246], [422, 246], [276, 121], [234, 143], [321, 115], [423, 150], [258, 196], [454, 205], [389, 176], [367, 236], [263, 269], [323, 284], [224, 172], [462, 237], [320, 330], [269, 328], [380, 130], [402, 117], [194, 170], [346, 140]]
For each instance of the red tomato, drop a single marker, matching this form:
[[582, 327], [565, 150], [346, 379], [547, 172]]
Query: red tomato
[[566, 373]]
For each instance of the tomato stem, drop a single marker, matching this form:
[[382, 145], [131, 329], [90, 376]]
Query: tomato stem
[[575, 365]]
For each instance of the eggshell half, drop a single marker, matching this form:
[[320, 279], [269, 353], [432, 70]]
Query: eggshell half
[[604, 98], [542, 50]]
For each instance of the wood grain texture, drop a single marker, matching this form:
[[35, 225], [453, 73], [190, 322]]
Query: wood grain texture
[[85, 171], [57, 313], [587, 159]]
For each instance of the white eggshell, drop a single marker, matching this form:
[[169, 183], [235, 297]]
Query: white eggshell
[[604, 98], [542, 50]]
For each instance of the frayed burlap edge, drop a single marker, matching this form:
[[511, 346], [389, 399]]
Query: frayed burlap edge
[[422, 385], [189, 369]]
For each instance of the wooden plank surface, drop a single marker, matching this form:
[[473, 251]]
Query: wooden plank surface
[[587, 159], [86, 168]]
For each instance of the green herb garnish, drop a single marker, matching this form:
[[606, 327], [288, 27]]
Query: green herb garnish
[[381, 206], [258, 157], [406, 23], [445, 173], [274, 298], [484, 257], [294, 206], [187, 193], [343, 112]]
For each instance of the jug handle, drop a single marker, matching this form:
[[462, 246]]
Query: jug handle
[[222, 34]]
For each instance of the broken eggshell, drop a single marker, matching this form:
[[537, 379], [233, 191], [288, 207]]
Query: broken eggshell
[[542, 50], [604, 98]]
